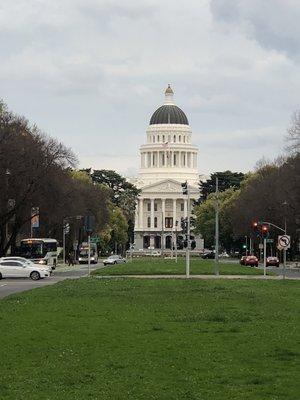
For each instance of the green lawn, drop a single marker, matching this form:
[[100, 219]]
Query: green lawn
[[158, 266], [123, 339]]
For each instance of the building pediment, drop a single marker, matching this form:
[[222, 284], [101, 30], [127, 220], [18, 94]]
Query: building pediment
[[166, 186]]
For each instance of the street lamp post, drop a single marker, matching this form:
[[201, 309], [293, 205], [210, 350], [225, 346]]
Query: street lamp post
[[217, 229]]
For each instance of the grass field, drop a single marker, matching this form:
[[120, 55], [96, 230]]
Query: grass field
[[164, 339], [158, 266]]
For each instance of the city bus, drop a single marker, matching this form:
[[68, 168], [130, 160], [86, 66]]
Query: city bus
[[84, 253], [40, 251]]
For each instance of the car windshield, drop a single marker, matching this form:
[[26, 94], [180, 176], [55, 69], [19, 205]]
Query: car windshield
[[113, 257]]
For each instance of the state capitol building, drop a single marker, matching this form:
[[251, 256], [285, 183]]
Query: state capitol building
[[166, 160]]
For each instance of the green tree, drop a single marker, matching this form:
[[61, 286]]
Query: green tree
[[205, 219], [122, 193], [227, 179]]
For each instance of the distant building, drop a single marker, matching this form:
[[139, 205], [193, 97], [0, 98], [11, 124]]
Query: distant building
[[166, 160]]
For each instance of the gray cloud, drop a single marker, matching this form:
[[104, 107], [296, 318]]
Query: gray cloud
[[91, 72], [273, 24]]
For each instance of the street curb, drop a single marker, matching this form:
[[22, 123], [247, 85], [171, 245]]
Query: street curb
[[203, 277]]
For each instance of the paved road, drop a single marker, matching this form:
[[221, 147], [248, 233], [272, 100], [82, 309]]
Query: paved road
[[9, 286]]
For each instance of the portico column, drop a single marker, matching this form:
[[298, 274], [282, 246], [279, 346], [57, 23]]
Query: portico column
[[163, 209], [174, 212], [185, 208], [140, 213], [152, 213]]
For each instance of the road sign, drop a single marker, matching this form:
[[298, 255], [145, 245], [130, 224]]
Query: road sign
[[95, 239], [270, 240], [284, 241], [66, 228]]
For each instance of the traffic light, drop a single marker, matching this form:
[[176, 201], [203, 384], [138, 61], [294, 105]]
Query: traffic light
[[184, 225], [265, 231], [255, 227], [184, 187]]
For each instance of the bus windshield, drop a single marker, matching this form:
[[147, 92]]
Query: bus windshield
[[32, 249]]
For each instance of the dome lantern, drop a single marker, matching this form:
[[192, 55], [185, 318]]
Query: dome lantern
[[169, 95]]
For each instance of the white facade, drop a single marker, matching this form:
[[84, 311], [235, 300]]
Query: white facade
[[166, 160]]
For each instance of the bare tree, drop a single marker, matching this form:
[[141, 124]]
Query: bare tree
[[293, 134]]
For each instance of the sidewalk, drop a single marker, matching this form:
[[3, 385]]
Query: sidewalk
[[212, 277]]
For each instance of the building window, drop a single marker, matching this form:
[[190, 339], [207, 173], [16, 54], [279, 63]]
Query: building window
[[174, 159], [153, 139], [149, 222], [179, 138], [148, 206], [158, 138], [169, 222], [174, 138], [155, 206], [184, 160], [183, 139], [155, 222], [163, 159], [163, 138], [153, 159]]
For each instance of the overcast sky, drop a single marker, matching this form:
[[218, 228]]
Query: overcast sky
[[91, 73]]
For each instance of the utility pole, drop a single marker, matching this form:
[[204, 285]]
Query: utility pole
[[186, 191], [217, 229], [89, 253], [188, 233], [265, 257], [176, 223], [64, 245]]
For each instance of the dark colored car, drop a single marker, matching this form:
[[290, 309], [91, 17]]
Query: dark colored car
[[252, 261], [242, 260], [272, 262], [209, 255]]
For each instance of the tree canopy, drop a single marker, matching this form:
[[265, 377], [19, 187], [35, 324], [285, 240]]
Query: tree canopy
[[227, 179]]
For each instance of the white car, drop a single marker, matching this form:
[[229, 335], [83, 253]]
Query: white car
[[21, 269], [114, 259], [28, 262]]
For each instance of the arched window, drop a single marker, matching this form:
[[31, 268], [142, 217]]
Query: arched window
[[174, 138], [183, 139], [155, 222], [163, 159], [157, 138], [179, 138], [163, 138], [153, 139], [175, 159], [149, 222]]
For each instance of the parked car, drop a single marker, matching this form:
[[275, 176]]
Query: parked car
[[272, 262], [114, 259], [242, 260], [252, 261], [208, 255], [224, 255], [22, 269], [153, 253], [28, 262]]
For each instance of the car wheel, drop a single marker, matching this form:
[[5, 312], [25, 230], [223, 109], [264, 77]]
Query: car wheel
[[35, 276], [115, 262]]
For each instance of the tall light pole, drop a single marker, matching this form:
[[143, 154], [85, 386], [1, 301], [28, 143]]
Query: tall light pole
[[186, 191], [217, 229]]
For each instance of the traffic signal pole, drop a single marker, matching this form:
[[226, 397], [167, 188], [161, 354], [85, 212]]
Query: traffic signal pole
[[187, 259], [265, 257], [217, 229]]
